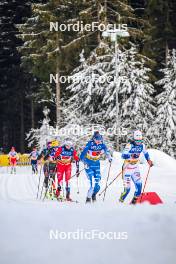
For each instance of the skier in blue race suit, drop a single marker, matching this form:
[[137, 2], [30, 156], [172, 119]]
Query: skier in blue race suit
[[90, 156], [131, 171], [33, 156]]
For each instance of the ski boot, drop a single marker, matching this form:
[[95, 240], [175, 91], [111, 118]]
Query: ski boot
[[46, 181], [134, 200], [88, 200], [68, 195], [94, 197], [58, 194], [121, 200]]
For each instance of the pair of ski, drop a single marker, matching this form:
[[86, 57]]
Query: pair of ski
[[51, 195], [49, 192]]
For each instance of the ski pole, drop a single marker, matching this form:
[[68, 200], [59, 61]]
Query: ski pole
[[44, 180], [77, 185], [50, 182], [76, 173], [63, 188], [145, 183], [110, 183], [41, 192], [107, 181], [39, 181]]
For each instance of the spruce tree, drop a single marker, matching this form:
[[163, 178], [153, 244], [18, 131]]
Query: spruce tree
[[164, 129]]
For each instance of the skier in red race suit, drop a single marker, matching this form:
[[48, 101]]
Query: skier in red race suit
[[64, 156], [13, 158]]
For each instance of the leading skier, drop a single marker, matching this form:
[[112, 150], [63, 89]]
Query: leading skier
[[90, 156], [130, 170]]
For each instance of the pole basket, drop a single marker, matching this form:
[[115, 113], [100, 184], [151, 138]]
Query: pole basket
[[150, 197]]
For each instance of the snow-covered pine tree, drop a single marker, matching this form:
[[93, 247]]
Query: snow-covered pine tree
[[94, 94], [164, 129], [87, 96], [87, 88], [136, 106], [40, 136]]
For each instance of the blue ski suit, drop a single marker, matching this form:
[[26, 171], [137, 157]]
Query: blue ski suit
[[90, 156]]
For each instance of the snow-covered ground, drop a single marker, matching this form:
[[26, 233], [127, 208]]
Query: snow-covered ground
[[148, 232]]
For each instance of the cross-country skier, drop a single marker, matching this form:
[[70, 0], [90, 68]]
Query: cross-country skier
[[33, 156], [131, 171], [13, 157], [90, 156], [65, 155], [49, 167]]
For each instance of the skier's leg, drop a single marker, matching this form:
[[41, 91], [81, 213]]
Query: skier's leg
[[67, 179], [126, 184], [46, 174], [36, 167], [53, 174], [90, 174], [136, 178], [15, 165], [12, 165], [33, 169], [97, 178], [60, 173], [15, 168]]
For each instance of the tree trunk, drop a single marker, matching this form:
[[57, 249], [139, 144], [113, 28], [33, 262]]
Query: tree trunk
[[99, 19], [58, 98], [32, 114], [106, 12], [166, 52], [22, 127]]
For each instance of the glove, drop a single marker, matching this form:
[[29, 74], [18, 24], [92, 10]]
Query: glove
[[134, 156], [150, 163], [86, 166], [110, 160]]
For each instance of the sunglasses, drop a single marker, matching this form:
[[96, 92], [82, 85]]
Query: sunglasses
[[139, 141]]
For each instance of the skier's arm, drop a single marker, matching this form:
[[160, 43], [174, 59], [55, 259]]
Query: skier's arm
[[40, 155], [107, 153], [126, 152], [84, 152], [17, 156], [29, 157], [75, 155], [147, 156], [58, 152], [48, 154]]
